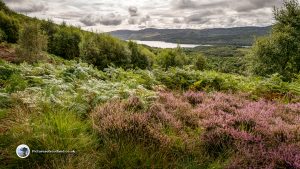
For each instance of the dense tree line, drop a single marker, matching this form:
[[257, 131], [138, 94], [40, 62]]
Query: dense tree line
[[277, 53], [70, 42]]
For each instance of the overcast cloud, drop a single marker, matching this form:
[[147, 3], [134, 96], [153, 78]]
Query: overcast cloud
[[107, 15]]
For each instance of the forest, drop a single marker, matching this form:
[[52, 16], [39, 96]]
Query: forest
[[119, 104]]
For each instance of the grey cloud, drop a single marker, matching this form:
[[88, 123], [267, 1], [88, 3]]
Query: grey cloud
[[184, 4], [88, 20], [162, 14], [166, 13], [178, 20], [142, 27], [110, 20], [231, 20], [71, 15], [239, 6], [249, 5], [13, 1], [30, 7], [202, 16], [196, 19], [210, 12], [192, 4], [133, 11], [33, 8], [144, 19], [139, 20], [135, 17], [226, 13], [132, 21]]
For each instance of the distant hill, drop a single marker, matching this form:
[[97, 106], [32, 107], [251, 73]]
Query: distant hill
[[242, 36]]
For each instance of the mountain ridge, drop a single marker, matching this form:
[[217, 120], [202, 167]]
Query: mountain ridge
[[240, 36]]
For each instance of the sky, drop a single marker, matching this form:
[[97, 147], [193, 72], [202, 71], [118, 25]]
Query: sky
[[109, 15]]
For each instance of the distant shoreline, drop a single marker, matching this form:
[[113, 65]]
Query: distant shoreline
[[170, 45], [162, 44]]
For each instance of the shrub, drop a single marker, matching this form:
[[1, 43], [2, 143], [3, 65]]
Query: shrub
[[103, 50], [233, 65], [128, 121], [15, 83], [286, 156], [149, 54], [184, 79], [200, 62], [50, 29], [3, 36], [176, 78], [72, 86], [65, 43], [209, 83], [11, 79], [4, 8], [257, 131], [32, 43], [142, 77], [237, 132], [10, 27], [171, 58], [272, 87], [194, 98], [138, 59], [5, 101], [6, 71], [140, 133]]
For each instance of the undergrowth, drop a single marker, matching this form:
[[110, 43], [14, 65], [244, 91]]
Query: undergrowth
[[180, 118]]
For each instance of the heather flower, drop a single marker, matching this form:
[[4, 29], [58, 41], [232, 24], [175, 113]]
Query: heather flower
[[255, 134], [194, 98]]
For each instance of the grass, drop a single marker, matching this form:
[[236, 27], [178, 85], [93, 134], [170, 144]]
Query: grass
[[180, 118], [50, 129]]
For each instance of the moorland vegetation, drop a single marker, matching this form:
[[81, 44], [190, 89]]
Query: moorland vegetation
[[123, 105]]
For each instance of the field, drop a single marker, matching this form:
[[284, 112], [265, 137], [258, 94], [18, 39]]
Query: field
[[127, 119], [118, 104]]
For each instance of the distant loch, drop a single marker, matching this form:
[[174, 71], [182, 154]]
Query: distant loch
[[161, 44]]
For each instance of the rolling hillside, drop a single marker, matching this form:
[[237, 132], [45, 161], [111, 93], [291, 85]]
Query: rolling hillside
[[81, 99], [243, 36]]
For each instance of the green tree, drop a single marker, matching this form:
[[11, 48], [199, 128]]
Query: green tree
[[138, 58], [90, 51], [280, 51], [65, 43], [31, 44], [4, 8], [50, 29], [10, 27], [150, 55], [200, 62], [3, 36], [103, 50], [172, 58]]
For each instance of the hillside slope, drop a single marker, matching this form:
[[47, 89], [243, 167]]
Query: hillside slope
[[243, 36]]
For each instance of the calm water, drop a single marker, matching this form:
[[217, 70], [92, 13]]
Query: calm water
[[161, 44]]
